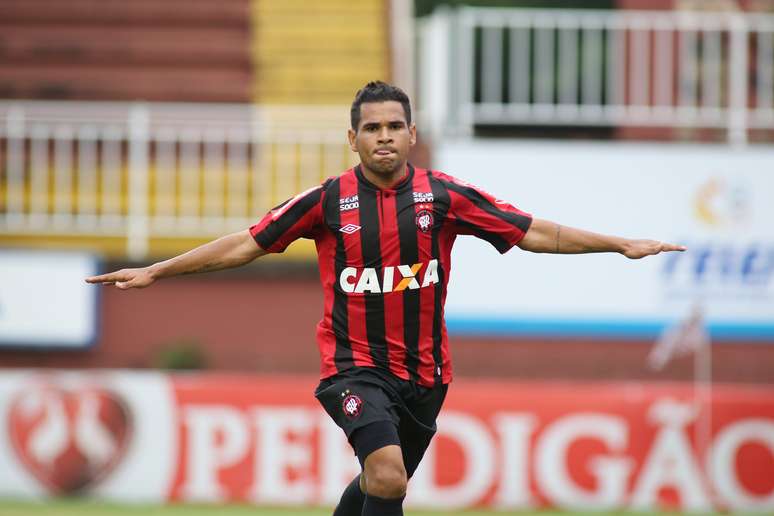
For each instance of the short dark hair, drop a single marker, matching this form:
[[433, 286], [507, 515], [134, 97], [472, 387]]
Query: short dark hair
[[378, 91]]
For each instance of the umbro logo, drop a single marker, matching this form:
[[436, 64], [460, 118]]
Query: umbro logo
[[350, 228]]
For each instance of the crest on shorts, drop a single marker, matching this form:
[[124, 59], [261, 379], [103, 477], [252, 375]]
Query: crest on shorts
[[352, 405], [424, 220]]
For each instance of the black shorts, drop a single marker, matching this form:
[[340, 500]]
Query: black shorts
[[377, 409]]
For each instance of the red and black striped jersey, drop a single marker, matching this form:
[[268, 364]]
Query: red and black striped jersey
[[385, 258]]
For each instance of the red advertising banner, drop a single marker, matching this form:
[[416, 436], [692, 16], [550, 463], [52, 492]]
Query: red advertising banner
[[506, 445]]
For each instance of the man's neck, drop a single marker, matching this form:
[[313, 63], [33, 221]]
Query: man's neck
[[385, 182]]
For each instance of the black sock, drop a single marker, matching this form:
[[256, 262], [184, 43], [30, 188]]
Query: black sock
[[351, 503], [375, 506]]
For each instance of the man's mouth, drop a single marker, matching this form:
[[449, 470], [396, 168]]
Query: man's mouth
[[384, 152]]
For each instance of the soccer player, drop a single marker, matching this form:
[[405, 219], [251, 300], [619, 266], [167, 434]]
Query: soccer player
[[384, 231]]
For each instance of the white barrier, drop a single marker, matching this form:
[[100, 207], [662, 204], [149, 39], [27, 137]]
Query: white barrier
[[151, 170], [513, 66]]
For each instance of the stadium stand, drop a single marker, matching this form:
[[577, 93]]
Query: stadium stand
[[70, 161], [176, 50]]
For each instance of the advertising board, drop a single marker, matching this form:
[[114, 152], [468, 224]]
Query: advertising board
[[44, 301], [147, 437], [716, 200]]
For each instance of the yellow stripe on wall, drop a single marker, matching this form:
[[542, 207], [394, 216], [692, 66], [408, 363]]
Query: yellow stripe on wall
[[317, 52]]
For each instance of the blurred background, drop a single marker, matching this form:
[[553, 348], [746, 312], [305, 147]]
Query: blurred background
[[131, 131]]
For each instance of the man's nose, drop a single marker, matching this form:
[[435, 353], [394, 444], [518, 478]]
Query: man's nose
[[384, 135]]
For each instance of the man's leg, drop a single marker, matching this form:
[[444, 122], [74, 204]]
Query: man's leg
[[365, 410], [351, 503], [375, 445], [384, 477], [386, 480]]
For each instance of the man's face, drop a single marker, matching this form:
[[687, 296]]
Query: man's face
[[383, 137]]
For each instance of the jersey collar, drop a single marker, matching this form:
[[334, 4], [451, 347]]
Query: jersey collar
[[402, 184]]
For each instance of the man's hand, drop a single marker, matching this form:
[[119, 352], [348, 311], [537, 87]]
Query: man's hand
[[125, 278], [636, 249]]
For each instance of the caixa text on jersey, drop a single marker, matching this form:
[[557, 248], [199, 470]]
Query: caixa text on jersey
[[393, 278]]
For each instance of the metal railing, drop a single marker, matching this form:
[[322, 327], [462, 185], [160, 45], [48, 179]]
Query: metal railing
[[143, 171], [588, 67]]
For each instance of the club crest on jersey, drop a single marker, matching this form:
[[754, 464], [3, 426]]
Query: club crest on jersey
[[352, 405], [424, 220]]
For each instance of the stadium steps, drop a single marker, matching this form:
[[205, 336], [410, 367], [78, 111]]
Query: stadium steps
[[205, 13], [175, 50], [147, 46]]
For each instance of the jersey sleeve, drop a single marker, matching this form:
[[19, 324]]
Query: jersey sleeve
[[474, 211], [298, 217]]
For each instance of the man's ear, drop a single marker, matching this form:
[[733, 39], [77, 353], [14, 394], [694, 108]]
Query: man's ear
[[412, 134], [351, 135]]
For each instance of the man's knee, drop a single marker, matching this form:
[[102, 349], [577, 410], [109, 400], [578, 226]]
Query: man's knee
[[386, 481], [385, 475]]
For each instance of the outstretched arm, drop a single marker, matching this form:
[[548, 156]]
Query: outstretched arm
[[229, 251], [545, 236]]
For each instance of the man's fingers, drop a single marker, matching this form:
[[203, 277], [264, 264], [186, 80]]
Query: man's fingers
[[672, 247], [123, 279], [109, 278], [643, 248], [103, 278]]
